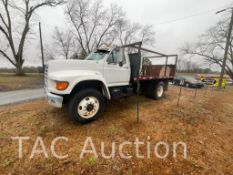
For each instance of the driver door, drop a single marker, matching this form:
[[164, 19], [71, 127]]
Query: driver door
[[117, 69]]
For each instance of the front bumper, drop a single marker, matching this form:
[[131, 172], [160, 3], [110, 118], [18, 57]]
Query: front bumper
[[55, 100]]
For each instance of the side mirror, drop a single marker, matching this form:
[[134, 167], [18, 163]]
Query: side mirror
[[121, 64]]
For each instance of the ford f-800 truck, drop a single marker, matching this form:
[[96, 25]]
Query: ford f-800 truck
[[106, 74]]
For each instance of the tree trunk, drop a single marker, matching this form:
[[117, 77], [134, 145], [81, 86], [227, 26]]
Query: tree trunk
[[19, 70], [231, 75]]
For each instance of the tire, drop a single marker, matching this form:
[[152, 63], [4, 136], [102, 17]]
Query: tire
[[86, 106], [156, 90], [187, 85]]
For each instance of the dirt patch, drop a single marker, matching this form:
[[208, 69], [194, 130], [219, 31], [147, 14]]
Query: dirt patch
[[204, 123], [9, 82]]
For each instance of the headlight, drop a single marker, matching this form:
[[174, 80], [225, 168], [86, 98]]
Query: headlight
[[62, 85]]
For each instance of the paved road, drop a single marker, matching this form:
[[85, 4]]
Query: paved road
[[20, 96]]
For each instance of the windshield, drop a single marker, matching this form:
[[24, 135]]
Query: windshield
[[190, 78], [98, 55]]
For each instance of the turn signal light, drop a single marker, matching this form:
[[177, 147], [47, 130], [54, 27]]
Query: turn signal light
[[61, 85]]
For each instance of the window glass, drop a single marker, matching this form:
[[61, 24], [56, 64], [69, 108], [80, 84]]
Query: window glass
[[98, 55], [116, 57], [111, 58]]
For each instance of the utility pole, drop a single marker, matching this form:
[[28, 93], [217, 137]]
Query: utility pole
[[41, 47], [226, 48]]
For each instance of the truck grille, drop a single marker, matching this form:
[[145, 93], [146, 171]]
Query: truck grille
[[46, 77]]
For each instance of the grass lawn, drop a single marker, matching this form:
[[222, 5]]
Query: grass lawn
[[9, 82], [204, 123]]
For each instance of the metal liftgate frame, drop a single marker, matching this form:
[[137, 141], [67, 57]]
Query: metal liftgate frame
[[138, 45]]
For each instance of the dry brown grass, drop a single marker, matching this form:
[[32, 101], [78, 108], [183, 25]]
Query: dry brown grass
[[10, 82], [204, 123]]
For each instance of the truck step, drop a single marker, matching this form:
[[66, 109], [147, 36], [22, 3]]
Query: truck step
[[120, 92]]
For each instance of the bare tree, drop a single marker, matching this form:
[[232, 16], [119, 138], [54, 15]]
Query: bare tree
[[211, 47], [49, 53], [14, 51], [147, 35], [92, 22], [65, 44], [127, 32], [181, 65]]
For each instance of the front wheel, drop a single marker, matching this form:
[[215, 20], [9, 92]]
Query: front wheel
[[86, 106]]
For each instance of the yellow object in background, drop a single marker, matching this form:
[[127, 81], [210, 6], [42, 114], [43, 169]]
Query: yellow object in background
[[202, 78], [216, 82]]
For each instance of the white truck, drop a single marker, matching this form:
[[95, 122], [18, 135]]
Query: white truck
[[105, 74]]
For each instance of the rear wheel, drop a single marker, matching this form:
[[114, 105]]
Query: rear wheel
[[159, 91], [86, 106], [156, 90]]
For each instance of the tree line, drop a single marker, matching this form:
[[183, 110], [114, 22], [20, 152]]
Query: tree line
[[90, 25], [15, 26], [187, 66], [211, 46]]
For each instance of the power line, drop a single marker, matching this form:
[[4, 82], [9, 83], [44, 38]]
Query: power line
[[187, 17]]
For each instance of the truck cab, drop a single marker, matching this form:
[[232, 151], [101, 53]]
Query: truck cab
[[104, 74]]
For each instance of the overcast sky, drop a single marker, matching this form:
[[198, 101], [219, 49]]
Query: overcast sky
[[170, 18]]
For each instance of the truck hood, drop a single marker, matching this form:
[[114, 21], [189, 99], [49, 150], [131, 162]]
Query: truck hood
[[70, 75], [73, 65]]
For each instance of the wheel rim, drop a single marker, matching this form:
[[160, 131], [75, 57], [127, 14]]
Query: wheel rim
[[187, 85], [160, 91], [88, 107]]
